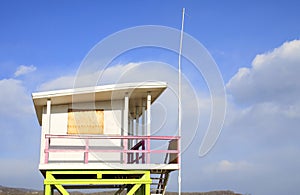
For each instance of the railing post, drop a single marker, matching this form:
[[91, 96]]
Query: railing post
[[148, 150], [143, 154], [137, 157], [125, 128], [86, 152], [178, 152], [46, 151], [125, 154]]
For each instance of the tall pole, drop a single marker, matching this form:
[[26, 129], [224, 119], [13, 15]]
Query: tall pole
[[179, 101]]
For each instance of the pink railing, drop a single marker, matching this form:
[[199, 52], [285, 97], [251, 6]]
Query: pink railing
[[140, 153]]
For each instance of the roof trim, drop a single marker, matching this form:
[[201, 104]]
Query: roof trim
[[98, 89], [136, 91]]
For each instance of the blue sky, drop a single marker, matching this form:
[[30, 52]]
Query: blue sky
[[254, 43]]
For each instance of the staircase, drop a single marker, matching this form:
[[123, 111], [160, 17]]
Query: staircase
[[159, 177], [159, 182]]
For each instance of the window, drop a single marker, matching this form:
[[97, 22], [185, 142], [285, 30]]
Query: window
[[85, 121]]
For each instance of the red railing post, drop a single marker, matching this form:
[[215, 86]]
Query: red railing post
[[178, 151], [125, 147], [46, 151], [148, 150], [86, 152]]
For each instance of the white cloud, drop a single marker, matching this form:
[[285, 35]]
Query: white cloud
[[271, 90], [64, 82], [20, 134], [16, 115], [15, 99], [109, 76], [274, 76], [23, 69]]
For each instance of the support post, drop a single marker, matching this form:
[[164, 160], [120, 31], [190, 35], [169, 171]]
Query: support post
[[147, 185], [48, 115], [125, 126], [136, 123], [148, 126], [45, 143], [131, 126], [143, 117], [148, 114], [47, 189]]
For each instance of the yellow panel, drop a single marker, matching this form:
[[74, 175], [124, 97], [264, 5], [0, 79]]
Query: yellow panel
[[85, 121]]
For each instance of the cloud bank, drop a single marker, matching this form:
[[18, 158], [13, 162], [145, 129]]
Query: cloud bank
[[263, 120], [19, 140], [273, 77]]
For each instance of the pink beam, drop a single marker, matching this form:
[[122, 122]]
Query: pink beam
[[112, 137], [110, 151]]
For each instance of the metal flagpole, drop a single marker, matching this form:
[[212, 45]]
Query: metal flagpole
[[179, 101]]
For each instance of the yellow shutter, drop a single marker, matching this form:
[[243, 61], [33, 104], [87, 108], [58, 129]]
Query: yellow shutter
[[85, 122]]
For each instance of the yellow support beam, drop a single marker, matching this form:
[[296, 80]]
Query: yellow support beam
[[97, 181], [98, 172], [134, 189], [47, 190], [147, 185], [139, 179], [61, 189]]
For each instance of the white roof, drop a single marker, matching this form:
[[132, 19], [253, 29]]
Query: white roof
[[136, 92]]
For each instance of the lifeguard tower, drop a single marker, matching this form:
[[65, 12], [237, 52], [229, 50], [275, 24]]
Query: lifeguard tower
[[100, 137]]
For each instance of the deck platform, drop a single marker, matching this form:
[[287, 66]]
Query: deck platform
[[105, 166]]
